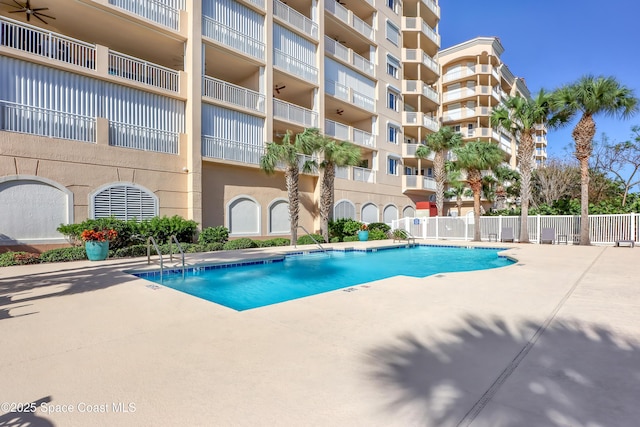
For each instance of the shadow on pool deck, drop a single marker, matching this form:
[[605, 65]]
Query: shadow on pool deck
[[590, 375]]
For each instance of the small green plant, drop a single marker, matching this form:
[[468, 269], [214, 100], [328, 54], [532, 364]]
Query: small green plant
[[18, 258], [242, 243], [75, 253], [379, 226], [343, 227], [399, 234], [161, 228], [377, 234], [278, 241], [217, 234], [307, 240], [351, 238]]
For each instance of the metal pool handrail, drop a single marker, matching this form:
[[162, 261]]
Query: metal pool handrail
[[316, 242], [172, 239], [150, 241]]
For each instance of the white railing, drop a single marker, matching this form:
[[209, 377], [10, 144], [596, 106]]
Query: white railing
[[259, 3], [295, 19], [419, 87], [413, 55], [363, 64], [233, 38], [220, 148], [345, 93], [336, 130], [143, 138], [165, 12], [336, 49], [363, 138], [294, 113], [295, 66], [347, 16], [342, 172], [44, 122], [418, 24], [363, 28], [30, 39], [135, 69], [363, 174], [603, 229], [433, 6], [232, 94]]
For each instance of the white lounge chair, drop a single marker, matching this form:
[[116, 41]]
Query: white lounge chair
[[548, 235], [506, 234]]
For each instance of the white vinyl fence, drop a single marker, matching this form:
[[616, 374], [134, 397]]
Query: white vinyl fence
[[603, 229]]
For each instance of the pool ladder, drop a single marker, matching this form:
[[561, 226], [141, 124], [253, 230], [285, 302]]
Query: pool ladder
[[312, 238], [151, 241]]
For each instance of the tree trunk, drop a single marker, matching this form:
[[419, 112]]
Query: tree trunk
[[326, 198], [525, 158], [475, 182], [459, 204], [440, 175], [291, 179], [583, 135]]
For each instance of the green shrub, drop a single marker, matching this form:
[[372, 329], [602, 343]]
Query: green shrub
[[18, 258], [351, 238], [377, 234], [335, 240], [378, 226], [132, 251], [217, 234], [343, 227], [307, 240], [399, 234], [75, 253], [243, 243], [278, 241], [125, 229], [212, 247], [161, 228]]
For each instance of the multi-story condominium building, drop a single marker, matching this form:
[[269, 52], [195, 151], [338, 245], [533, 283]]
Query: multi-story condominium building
[[163, 107], [474, 81]]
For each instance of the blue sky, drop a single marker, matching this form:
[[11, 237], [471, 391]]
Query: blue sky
[[551, 43]]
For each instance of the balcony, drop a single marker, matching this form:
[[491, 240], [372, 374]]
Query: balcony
[[418, 183], [541, 152], [348, 56], [294, 113], [232, 38], [464, 113], [232, 94], [418, 87], [57, 47], [344, 132], [465, 72], [143, 138], [292, 65], [483, 133], [354, 173], [409, 151], [167, 15], [410, 118], [295, 19], [419, 56], [44, 122], [433, 6], [349, 95], [346, 16], [417, 24], [219, 148]]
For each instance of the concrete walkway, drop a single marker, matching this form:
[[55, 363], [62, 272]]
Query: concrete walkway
[[553, 340]]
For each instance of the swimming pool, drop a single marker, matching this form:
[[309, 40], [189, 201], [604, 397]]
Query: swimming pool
[[243, 286]]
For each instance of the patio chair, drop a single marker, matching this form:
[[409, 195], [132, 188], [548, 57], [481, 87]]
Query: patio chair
[[507, 234], [548, 235]]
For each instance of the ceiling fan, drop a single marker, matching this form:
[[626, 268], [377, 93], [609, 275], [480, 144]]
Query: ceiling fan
[[279, 88], [26, 8], [339, 111]]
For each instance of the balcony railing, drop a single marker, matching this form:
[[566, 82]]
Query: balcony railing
[[363, 174], [411, 118], [233, 38], [418, 55], [143, 138], [220, 148], [295, 19], [464, 113], [347, 94], [30, 39], [433, 6], [344, 132], [233, 94], [347, 16], [418, 182], [165, 12], [417, 24], [294, 113], [44, 122], [295, 66], [418, 87], [349, 56], [135, 69]]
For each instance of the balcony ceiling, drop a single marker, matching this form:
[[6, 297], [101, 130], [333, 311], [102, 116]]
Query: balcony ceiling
[[115, 28]]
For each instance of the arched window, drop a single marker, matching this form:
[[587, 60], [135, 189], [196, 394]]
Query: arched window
[[123, 201], [32, 209], [344, 209], [243, 216], [279, 221], [389, 214], [408, 212], [369, 213]]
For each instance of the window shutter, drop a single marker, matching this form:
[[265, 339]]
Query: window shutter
[[124, 202]]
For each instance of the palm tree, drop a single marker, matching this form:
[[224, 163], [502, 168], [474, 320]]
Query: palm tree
[[590, 96], [505, 175], [287, 153], [335, 154], [475, 157], [520, 116], [439, 143]]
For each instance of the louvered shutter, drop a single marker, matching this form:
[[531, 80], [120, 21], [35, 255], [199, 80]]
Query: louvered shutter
[[124, 202]]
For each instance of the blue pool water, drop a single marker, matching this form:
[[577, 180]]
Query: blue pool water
[[247, 286]]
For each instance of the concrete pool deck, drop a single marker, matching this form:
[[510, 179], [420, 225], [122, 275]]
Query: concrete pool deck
[[553, 340]]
